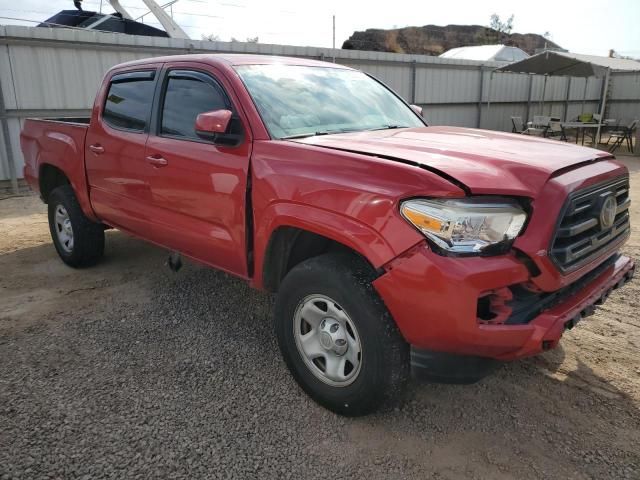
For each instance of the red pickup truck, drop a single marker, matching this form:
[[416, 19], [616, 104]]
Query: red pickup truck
[[391, 244]]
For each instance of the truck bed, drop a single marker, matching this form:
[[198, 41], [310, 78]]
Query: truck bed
[[58, 143]]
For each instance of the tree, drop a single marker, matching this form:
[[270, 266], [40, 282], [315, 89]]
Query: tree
[[499, 29], [499, 26], [210, 37], [248, 40]]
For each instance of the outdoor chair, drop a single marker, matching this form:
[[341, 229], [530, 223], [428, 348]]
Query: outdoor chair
[[518, 125], [622, 135], [556, 130], [541, 121], [608, 125]]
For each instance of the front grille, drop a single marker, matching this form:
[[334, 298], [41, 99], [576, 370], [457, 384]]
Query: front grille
[[527, 305], [581, 235]]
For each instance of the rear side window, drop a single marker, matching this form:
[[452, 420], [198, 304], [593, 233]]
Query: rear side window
[[187, 95], [129, 100]]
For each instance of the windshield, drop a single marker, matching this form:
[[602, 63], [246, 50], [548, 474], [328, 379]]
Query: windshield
[[298, 101]]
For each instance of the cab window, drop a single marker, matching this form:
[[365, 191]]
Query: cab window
[[187, 94], [129, 100]]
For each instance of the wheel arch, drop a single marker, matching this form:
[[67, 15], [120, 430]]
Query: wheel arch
[[294, 233], [51, 175], [49, 178]]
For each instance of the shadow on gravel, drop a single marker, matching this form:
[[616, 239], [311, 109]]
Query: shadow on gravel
[[189, 384]]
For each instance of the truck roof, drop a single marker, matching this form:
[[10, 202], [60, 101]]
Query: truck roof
[[233, 59]]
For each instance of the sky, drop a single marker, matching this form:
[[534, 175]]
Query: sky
[[591, 27]]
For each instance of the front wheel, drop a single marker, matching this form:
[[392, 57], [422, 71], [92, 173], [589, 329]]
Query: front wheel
[[337, 337], [78, 241]]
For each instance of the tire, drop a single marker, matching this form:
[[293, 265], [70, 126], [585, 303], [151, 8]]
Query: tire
[[78, 241], [377, 376]]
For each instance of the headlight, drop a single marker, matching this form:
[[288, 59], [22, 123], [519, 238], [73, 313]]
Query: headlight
[[467, 225]]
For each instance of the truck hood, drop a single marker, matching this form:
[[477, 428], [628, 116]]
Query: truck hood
[[483, 161]]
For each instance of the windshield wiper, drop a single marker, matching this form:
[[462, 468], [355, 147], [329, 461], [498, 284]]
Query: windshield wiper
[[323, 132], [301, 135], [387, 127]]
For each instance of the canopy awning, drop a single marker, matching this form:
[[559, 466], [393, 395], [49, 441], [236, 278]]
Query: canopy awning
[[570, 64], [554, 63]]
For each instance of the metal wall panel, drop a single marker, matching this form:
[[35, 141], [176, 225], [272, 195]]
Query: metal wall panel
[[447, 85], [576, 109], [58, 71], [507, 87], [6, 80], [396, 77], [14, 125], [624, 112], [594, 88], [625, 86], [498, 116], [459, 115], [61, 78], [4, 161]]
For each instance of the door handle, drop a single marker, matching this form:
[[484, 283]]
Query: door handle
[[157, 161], [96, 148]]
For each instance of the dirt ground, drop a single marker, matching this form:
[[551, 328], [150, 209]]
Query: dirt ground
[[128, 369]]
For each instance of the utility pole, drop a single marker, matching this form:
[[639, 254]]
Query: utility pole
[[334, 39], [334, 31]]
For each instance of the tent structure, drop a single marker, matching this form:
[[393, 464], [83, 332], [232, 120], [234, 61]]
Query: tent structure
[[574, 65], [552, 62], [493, 53]]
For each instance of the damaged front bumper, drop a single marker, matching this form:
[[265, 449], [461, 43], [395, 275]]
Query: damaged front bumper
[[435, 303]]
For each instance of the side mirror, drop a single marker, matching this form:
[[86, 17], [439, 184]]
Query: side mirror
[[211, 124], [416, 109]]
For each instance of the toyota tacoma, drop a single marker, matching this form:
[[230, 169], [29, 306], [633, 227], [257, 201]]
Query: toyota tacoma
[[391, 245]]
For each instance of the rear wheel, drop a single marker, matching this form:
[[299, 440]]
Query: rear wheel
[[78, 241], [337, 337]]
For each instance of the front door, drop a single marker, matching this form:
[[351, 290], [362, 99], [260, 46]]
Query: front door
[[198, 187]]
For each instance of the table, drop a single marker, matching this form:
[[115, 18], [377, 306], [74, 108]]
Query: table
[[582, 126]]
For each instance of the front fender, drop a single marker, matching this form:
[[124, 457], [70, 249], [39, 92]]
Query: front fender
[[354, 234]]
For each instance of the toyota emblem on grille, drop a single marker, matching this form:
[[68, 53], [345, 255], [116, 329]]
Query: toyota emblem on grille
[[608, 212]]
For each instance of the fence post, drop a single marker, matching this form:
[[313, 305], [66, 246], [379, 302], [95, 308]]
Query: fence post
[[529, 99], [566, 102], [10, 160], [479, 119], [413, 80]]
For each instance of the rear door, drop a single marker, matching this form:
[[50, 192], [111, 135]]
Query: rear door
[[199, 188], [117, 172]]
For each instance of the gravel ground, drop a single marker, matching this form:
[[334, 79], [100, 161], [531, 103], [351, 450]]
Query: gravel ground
[[127, 370]]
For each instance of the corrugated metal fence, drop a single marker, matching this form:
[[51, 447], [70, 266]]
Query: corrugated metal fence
[[56, 72]]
